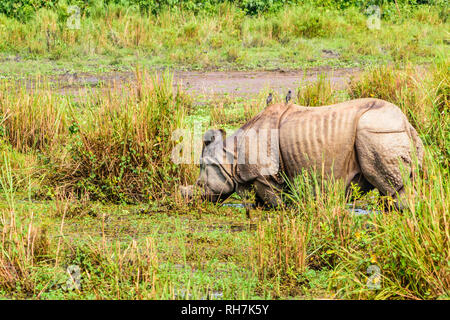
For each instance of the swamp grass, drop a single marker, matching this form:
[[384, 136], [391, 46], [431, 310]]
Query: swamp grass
[[162, 248], [296, 36]]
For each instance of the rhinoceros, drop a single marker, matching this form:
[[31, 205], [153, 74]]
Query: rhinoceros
[[362, 141]]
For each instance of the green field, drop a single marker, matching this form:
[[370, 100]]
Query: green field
[[113, 37], [89, 202]]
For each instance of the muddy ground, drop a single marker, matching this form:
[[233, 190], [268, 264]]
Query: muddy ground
[[231, 83]]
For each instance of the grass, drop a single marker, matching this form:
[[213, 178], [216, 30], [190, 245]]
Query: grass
[[294, 37], [317, 93], [126, 252], [230, 113], [75, 196], [411, 249], [113, 144]]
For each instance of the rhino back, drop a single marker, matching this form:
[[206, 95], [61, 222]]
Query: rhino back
[[322, 139], [257, 144]]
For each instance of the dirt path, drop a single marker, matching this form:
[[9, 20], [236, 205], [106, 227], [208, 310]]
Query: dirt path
[[251, 83], [232, 83]]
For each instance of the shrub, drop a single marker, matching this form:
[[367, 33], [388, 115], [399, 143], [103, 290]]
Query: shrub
[[116, 147], [120, 149], [30, 121], [317, 93]]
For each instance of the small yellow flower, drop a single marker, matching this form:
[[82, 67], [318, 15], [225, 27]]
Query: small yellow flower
[[373, 258]]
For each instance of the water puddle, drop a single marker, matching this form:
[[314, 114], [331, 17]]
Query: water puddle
[[232, 227], [234, 205], [357, 211], [184, 294]]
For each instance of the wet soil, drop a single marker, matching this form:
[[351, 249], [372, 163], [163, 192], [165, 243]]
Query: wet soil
[[211, 83]]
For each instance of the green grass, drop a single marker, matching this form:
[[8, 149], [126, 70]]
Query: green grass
[[132, 252], [58, 210], [110, 147], [88, 185], [291, 38]]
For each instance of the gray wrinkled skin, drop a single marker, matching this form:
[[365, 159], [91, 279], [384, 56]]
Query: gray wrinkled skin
[[360, 141], [215, 182]]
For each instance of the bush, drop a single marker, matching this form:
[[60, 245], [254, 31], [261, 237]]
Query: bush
[[120, 150], [25, 9], [23, 244], [30, 121], [116, 147], [318, 93]]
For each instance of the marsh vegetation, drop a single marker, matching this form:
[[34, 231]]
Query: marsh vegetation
[[89, 205]]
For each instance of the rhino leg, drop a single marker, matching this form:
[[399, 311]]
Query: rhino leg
[[268, 192], [384, 144], [380, 155], [360, 181]]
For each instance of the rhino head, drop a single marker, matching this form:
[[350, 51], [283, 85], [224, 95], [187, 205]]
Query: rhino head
[[215, 182]]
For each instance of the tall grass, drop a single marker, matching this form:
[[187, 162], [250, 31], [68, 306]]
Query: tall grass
[[411, 248], [317, 93], [224, 37], [35, 262], [23, 244], [120, 149], [305, 235], [31, 121], [29, 263], [117, 271], [117, 147], [229, 113]]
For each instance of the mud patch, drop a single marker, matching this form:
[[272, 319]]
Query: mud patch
[[209, 84]]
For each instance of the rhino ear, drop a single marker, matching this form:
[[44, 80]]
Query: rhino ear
[[213, 135]]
